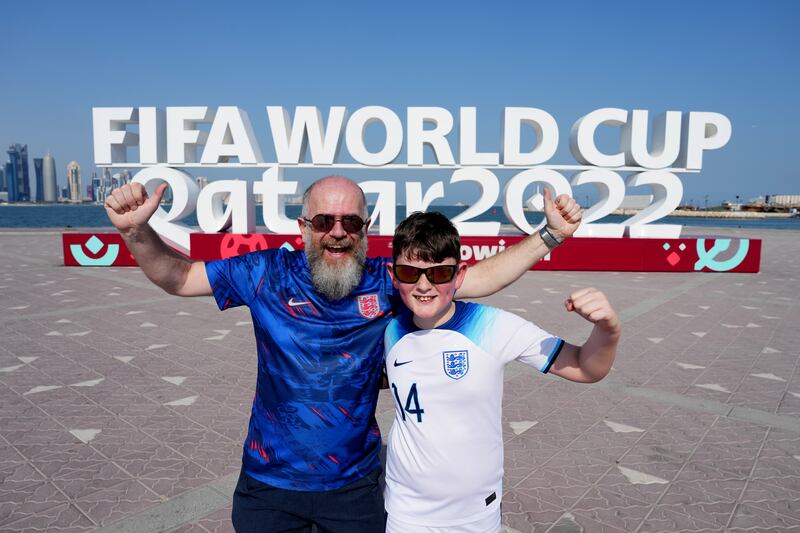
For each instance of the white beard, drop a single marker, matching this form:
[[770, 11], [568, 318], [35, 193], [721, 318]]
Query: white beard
[[338, 280]]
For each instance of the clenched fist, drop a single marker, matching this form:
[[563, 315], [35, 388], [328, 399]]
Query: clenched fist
[[593, 305]]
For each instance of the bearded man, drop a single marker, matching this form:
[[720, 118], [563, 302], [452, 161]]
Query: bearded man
[[311, 452]]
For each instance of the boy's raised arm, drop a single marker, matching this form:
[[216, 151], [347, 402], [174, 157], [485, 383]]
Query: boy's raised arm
[[592, 361], [496, 273]]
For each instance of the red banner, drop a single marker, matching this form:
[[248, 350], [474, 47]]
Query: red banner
[[635, 255]]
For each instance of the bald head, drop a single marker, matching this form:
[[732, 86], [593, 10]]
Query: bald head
[[333, 189]]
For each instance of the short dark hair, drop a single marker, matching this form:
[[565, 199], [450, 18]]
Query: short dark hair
[[429, 237]]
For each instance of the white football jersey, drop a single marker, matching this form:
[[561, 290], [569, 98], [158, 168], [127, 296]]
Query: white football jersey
[[445, 458]]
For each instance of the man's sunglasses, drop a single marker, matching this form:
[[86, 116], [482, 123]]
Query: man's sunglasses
[[325, 223], [435, 274]]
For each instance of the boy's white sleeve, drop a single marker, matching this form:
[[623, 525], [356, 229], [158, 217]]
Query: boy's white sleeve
[[524, 341]]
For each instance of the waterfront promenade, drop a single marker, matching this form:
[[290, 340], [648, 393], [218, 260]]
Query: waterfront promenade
[[123, 408]]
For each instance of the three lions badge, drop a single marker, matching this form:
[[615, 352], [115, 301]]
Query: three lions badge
[[456, 363], [369, 306]]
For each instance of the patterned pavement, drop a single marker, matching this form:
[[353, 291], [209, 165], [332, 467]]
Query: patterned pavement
[[123, 408]]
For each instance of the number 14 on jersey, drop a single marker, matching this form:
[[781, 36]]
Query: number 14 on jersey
[[412, 406]]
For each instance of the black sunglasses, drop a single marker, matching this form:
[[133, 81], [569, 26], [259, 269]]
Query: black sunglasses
[[435, 274], [325, 223]]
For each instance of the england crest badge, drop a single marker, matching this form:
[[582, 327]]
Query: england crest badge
[[456, 364], [369, 306]]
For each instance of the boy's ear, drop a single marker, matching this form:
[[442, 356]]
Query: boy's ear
[[390, 267], [461, 273]]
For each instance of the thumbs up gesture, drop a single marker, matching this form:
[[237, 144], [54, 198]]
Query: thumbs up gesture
[[130, 207], [563, 215]]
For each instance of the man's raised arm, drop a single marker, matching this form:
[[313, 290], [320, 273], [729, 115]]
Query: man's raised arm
[[129, 208], [496, 273]]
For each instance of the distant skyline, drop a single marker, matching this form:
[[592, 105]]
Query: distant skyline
[[739, 59]]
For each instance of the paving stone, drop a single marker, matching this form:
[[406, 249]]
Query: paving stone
[[108, 505], [753, 518], [562, 473]]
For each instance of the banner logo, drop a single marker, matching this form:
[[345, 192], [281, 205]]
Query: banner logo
[[708, 259], [94, 245]]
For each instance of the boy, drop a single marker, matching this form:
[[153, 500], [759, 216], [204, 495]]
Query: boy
[[444, 361]]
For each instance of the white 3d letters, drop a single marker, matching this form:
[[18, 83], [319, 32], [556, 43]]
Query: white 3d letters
[[111, 139], [356, 127], [184, 200], [418, 136], [290, 139], [182, 137], [703, 131], [231, 135], [581, 141], [666, 139], [546, 135], [207, 137], [240, 214], [274, 191]]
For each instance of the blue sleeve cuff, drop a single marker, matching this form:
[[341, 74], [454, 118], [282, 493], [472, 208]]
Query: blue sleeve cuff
[[552, 358]]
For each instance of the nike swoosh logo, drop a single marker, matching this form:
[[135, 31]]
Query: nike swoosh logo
[[292, 303], [403, 363]]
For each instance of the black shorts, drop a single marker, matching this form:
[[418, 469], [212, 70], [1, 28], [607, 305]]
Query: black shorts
[[354, 508]]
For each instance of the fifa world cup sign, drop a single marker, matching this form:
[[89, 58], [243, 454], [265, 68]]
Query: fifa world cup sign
[[167, 142]]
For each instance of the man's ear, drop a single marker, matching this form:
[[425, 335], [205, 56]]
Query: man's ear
[[301, 224], [367, 224]]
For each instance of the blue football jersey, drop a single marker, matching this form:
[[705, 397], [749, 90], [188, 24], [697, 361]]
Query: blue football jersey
[[312, 424]]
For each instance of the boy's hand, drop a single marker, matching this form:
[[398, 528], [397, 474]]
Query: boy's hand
[[593, 305], [563, 216]]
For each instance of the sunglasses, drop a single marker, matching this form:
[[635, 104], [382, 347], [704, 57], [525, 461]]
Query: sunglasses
[[435, 274], [325, 223]]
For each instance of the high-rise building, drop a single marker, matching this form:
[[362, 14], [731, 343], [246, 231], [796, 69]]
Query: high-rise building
[[11, 183], [74, 181], [38, 169], [125, 177], [19, 187], [98, 191], [50, 183], [3, 186]]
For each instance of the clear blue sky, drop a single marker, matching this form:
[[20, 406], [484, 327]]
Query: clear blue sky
[[737, 58]]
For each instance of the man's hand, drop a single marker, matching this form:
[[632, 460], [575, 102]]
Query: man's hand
[[593, 305], [129, 207], [563, 215]]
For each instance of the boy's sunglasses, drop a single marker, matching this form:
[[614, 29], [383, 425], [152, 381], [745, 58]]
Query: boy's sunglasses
[[325, 223], [435, 274]]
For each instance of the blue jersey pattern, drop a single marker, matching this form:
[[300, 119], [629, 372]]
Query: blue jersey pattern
[[470, 319], [312, 424]]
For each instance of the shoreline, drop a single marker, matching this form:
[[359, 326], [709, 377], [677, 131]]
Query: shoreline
[[505, 230], [744, 215], [685, 213]]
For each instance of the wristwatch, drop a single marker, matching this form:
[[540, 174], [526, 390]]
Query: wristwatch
[[549, 240]]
